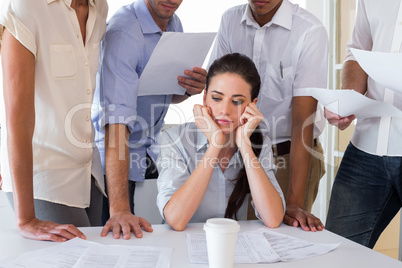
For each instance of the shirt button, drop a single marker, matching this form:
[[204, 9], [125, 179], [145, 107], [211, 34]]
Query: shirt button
[[88, 91], [88, 118], [88, 164], [78, 36]]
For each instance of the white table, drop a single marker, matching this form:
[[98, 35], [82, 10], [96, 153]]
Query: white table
[[348, 254]]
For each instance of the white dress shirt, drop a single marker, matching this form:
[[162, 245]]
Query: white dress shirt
[[64, 155], [378, 28], [290, 52], [182, 148]]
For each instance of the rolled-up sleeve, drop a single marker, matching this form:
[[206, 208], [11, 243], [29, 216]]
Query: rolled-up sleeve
[[119, 80], [16, 18], [173, 170]]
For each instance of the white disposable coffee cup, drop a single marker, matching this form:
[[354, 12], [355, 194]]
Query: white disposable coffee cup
[[221, 237]]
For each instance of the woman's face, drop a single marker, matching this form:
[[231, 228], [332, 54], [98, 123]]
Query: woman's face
[[227, 96]]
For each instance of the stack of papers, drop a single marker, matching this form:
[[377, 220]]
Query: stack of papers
[[261, 246], [78, 253]]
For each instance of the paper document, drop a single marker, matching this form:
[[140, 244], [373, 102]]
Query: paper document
[[78, 253], [292, 249], [384, 68], [261, 246], [347, 102], [250, 248], [174, 53]]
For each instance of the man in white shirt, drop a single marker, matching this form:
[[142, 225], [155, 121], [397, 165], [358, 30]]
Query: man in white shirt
[[51, 169], [290, 49], [367, 191]]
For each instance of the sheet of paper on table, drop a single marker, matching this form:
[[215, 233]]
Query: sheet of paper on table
[[260, 246], [174, 53], [250, 248], [384, 68], [347, 102], [78, 253]]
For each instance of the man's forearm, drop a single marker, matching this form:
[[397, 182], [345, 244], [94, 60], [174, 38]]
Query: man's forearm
[[117, 167], [300, 156], [353, 77], [299, 169]]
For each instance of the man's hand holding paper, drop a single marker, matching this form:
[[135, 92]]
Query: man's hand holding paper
[[336, 120], [194, 83], [344, 105]]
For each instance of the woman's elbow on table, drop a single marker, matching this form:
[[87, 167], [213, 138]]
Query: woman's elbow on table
[[273, 224], [273, 221], [175, 220], [177, 225]]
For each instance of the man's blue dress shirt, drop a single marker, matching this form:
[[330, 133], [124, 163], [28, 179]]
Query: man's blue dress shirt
[[131, 36]]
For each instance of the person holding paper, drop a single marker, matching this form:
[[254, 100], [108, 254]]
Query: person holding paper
[[51, 172], [290, 49], [208, 168], [127, 125], [367, 192]]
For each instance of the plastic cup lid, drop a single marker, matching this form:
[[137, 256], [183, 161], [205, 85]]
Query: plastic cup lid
[[222, 224]]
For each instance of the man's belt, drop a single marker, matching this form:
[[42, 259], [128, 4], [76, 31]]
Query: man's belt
[[284, 147]]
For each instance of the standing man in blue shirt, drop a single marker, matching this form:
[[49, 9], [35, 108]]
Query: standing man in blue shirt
[[127, 125]]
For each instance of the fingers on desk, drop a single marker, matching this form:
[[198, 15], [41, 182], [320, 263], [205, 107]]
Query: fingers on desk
[[50, 231], [306, 220], [123, 226]]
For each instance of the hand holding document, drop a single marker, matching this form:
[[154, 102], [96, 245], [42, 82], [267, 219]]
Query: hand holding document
[[384, 68], [348, 102], [174, 53]]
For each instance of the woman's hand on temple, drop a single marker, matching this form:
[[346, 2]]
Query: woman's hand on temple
[[249, 121], [205, 122]]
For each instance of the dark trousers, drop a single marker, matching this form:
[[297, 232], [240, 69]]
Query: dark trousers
[[150, 173], [366, 195]]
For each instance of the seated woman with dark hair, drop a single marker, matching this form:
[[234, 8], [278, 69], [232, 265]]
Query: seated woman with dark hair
[[208, 168]]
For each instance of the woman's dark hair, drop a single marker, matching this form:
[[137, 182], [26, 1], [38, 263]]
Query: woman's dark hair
[[244, 67], [237, 64]]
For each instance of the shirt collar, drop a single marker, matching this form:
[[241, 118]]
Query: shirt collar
[[147, 23], [283, 16]]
